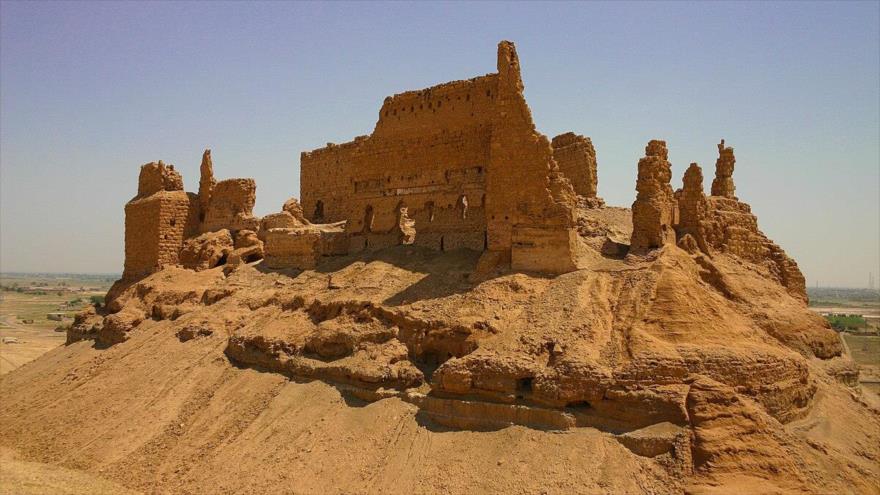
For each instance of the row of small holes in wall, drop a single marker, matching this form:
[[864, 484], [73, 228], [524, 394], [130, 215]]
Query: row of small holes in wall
[[439, 103]]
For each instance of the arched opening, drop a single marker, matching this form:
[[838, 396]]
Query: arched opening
[[462, 206], [429, 207], [369, 216], [319, 211]]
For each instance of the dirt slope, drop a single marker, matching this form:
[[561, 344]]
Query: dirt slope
[[398, 372]]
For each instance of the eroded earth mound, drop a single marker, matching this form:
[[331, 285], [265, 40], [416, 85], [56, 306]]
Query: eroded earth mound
[[665, 373]]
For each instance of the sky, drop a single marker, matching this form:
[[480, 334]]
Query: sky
[[91, 91]]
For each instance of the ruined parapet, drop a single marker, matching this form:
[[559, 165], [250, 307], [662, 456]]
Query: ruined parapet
[[576, 158], [231, 206], [157, 176], [654, 206], [723, 185], [157, 221], [692, 206]]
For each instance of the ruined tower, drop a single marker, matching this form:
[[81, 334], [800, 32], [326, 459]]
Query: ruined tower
[[156, 221], [654, 206]]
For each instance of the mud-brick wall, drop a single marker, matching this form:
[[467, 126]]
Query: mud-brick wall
[[155, 227], [576, 158], [231, 206], [429, 154]]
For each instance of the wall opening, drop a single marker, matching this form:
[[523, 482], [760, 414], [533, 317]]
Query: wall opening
[[523, 387], [462, 205], [429, 206], [369, 216], [319, 211]]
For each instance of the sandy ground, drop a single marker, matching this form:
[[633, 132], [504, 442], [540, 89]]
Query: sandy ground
[[21, 477], [30, 342]]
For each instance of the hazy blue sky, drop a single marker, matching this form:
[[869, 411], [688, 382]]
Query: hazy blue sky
[[90, 91]]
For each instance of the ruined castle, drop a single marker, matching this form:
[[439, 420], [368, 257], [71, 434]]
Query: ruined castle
[[459, 165]]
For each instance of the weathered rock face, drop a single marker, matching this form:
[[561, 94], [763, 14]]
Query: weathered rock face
[[723, 184], [576, 159], [206, 251], [654, 206]]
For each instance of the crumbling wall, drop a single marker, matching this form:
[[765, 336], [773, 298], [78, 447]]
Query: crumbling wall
[[157, 176], [424, 174], [301, 247], [576, 158], [530, 206], [156, 221], [231, 206], [428, 154], [654, 207]]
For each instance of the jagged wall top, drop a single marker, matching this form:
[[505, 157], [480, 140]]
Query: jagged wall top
[[156, 176]]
